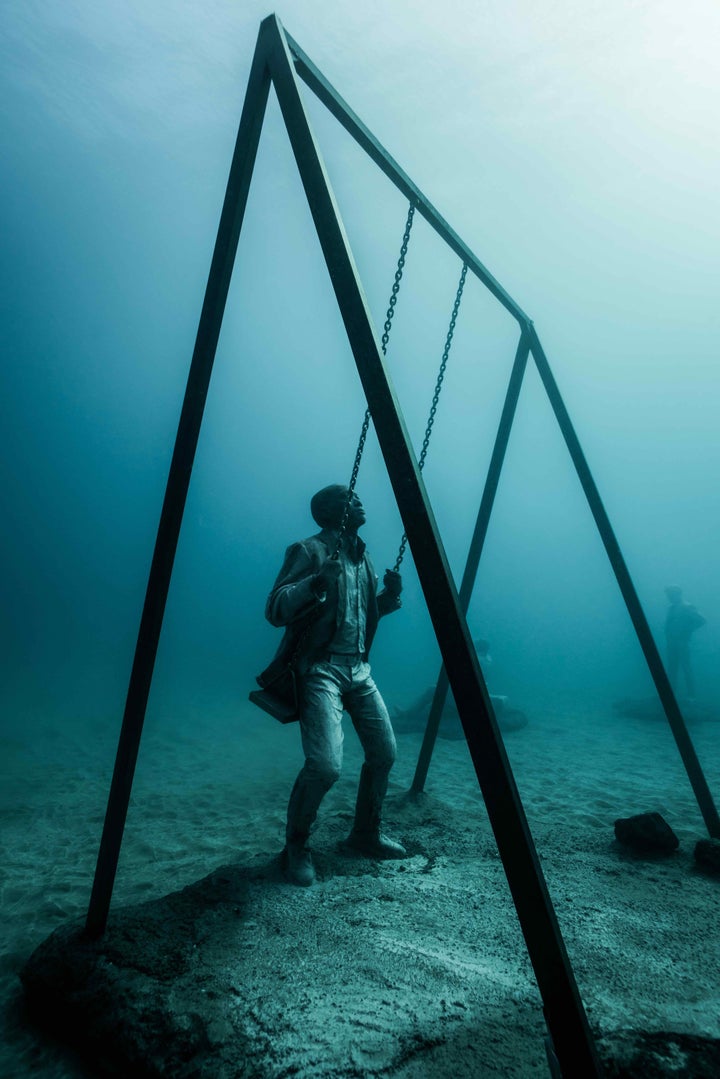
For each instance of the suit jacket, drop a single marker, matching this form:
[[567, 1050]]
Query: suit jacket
[[293, 604], [681, 621]]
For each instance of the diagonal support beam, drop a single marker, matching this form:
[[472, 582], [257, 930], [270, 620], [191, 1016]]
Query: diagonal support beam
[[563, 1008], [629, 594], [278, 57], [176, 491], [352, 123], [339, 108], [656, 667], [475, 552]]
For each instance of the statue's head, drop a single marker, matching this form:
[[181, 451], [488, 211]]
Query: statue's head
[[328, 505]]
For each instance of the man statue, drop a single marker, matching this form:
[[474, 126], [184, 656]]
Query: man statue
[[681, 621], [339, 602]]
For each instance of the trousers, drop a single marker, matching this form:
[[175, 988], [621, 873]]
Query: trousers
[[328, 689], [678, 658]]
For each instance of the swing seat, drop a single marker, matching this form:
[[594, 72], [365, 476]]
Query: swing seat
[[283, 710], [278, 693]]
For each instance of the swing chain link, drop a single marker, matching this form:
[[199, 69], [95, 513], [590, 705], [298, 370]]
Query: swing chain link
[[398, 278], [436, 397], [389, 315], [443, 365]]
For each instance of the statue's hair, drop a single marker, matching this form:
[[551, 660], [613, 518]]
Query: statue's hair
[[324, 505]]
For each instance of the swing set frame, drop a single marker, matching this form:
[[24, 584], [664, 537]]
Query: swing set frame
[[279, 60]]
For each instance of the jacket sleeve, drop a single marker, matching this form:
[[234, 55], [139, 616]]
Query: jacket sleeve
[[387, 603], [292, 597]]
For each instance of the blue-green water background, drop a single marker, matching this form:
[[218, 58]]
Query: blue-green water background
[[575, 153]]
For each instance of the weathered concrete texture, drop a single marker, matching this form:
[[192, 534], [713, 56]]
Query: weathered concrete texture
[[411, 969]]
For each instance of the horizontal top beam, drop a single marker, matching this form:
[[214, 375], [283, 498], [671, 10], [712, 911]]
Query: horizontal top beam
[[329, 96]]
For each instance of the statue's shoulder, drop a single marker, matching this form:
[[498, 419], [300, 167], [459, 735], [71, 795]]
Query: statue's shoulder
[[319, 539], [317, 546]]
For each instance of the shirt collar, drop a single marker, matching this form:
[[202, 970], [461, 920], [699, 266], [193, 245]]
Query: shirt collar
[[329, 537]]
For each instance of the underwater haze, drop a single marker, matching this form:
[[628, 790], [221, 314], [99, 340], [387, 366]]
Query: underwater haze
[[574, 149]]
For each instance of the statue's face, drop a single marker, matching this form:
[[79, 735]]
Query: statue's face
[[356, 512]]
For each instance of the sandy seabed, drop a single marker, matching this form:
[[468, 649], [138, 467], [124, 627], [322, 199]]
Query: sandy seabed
[[435, 937]]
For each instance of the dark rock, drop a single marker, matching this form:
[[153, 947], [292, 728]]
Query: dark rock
[[110, 998], [646, 832], [707, 854], [639, 1054]]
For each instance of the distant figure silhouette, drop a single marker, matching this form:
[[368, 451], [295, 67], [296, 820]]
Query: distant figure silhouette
[[680, 623], [482, 647]]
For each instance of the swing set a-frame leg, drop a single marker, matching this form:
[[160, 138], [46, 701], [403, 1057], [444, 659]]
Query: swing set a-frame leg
[[529, 341], [627, 588], [565, 1015], [178, 483], [476, 548], [563, 1007]]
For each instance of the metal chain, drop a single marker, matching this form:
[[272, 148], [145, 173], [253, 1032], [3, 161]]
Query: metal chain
[[389, 315], [436, 397]]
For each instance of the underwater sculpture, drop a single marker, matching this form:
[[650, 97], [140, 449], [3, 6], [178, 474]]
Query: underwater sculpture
[[326, 599], [414, 717], [681, 621]]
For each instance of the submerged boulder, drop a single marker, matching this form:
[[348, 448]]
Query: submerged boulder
[[707, 854], [661, 1054], [646, 832]]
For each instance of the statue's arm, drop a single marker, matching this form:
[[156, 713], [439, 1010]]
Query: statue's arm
[[292, 595]]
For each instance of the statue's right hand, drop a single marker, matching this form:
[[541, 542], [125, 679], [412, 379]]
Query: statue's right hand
[[327, 575]]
